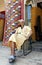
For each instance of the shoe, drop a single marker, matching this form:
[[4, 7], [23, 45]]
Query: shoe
[[12, 59]]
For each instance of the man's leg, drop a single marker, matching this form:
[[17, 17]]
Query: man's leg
[[13, 48], [12, 57]]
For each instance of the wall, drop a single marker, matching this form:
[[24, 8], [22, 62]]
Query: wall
[[2, 8], [11, 17], [22, 9], [37, 0]]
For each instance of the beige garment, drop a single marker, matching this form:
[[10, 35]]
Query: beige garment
[[20, 36], [27, 31]]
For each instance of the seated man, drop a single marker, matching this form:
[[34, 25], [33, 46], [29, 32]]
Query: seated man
[[17, 39]]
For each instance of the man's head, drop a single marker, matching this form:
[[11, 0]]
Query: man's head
[[21, 22]]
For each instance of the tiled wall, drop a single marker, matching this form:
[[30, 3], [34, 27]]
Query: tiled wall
[[14, 12]]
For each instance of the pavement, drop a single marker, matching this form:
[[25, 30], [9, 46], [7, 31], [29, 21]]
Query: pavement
[[33, 58]]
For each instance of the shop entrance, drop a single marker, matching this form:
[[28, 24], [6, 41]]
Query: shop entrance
[[2, 21]]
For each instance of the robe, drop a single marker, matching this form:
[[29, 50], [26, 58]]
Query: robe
[[20, 36]]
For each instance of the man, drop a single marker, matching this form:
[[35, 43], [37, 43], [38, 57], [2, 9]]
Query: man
[[17, 39]]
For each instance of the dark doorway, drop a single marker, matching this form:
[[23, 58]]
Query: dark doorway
[[39, 5]]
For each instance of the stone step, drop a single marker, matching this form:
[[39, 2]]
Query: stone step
[[37, 46], [37, 49]]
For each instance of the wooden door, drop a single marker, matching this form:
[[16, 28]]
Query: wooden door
[[2, 21], [1, 29]]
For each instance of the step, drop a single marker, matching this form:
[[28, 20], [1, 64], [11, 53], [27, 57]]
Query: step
[[37, 49], [37, 46]]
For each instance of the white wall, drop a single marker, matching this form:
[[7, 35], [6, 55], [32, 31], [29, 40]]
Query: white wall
[[24, 1], [37, 0]]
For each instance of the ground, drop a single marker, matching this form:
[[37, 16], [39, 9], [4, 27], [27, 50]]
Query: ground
[[33, 58]]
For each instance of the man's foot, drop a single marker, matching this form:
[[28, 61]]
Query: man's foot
[[12, 59]]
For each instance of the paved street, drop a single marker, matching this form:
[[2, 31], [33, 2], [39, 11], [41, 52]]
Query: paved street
[[34, 58]]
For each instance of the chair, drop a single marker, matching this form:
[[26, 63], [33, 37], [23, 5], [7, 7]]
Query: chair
[[27, 46]]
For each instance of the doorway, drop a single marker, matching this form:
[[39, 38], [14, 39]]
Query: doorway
[[2, 21]]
